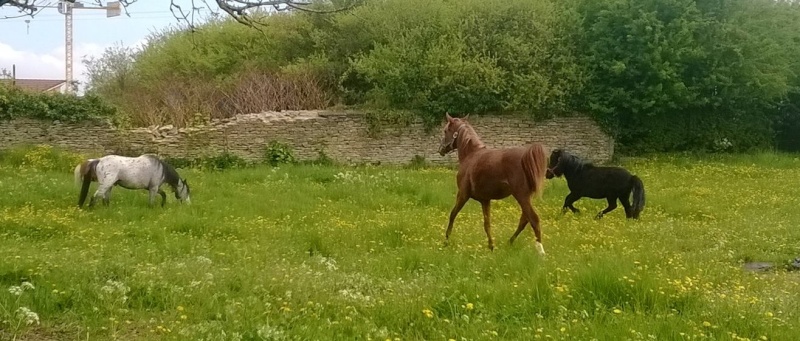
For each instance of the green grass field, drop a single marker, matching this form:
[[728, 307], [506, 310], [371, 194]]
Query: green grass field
[[308, 252]]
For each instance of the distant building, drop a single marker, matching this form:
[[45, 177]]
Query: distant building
[[38, 85]]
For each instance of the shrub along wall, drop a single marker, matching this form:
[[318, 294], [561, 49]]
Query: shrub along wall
[[16, 103], [658, 75]]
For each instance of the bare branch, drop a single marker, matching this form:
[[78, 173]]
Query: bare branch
[[27, 5], [295, 6], [26, 8], [240, 10]]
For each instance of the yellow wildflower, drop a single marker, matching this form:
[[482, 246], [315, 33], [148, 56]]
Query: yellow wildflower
[[428, 313]]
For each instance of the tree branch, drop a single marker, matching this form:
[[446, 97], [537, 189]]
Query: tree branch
[[239, 10], [27, 7]]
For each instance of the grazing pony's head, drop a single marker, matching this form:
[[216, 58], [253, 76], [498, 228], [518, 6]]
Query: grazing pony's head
[[182, 191], [452, 127], [179, 185]]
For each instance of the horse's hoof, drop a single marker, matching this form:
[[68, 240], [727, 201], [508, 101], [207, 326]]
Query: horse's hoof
[[540, 249]]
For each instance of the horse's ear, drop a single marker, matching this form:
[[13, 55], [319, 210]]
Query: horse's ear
[[465, 117], [447, 115]]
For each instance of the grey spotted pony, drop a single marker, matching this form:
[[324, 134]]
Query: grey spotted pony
[[143, 172]]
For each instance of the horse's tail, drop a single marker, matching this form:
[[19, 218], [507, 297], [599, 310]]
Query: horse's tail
[[78, 175], [535, 164], [638, 196], [86, 170]]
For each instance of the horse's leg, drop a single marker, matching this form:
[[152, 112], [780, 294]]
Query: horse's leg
[[568, 201], [524, 200], [461, 199], [107, 196], [612, 204], [626, 204], [152, 197], [163, 197], [101, 191], [487, 224], [522, 222]]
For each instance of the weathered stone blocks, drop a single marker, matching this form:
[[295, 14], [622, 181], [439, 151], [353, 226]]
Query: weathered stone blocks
[[342, 136]]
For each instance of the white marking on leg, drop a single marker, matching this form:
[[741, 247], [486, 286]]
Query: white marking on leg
[[540, 248]]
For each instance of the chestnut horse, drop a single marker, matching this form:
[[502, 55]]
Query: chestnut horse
[[486, 174]]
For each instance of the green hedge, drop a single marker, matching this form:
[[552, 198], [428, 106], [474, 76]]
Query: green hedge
[[659, 75], [17, 103]]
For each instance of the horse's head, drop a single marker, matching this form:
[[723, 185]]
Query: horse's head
[[451, 129], [182, 192], [552, 166]]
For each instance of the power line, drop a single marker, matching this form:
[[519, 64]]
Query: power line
[[132, 15], [86, 19]]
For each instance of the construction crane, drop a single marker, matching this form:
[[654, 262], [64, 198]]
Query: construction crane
[[65, 7]]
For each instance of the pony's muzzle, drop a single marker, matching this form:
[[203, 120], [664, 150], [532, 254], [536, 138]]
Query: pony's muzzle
[[445, 148]]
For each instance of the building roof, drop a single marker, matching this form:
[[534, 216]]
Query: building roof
[[38, 85]]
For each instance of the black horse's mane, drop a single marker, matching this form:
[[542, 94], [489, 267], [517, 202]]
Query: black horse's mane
[[171, 176], [572, 163]]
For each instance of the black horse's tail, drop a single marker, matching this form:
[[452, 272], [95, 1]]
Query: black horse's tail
[[638, 196], [87, 172]]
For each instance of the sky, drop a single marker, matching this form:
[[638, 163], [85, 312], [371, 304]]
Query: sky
[[37, 48]]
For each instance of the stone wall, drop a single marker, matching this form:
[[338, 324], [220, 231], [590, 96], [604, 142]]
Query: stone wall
[[343, 136]]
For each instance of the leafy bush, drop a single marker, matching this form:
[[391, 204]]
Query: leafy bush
[[323, 160], [277, 153], [17, 103], [659, 75], [417, 162], [223, 161], [219, 162], [787, 125], [467, 56], [672, 75]]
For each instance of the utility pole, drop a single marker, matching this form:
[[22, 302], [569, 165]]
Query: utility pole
[[65, 7]]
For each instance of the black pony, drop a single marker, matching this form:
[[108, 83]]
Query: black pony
[[587, 180]]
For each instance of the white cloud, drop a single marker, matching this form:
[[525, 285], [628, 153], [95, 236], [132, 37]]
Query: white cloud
[[48, 65]]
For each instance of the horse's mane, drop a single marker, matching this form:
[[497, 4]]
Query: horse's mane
[[171, 176], [572, 163], [468, 139]]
